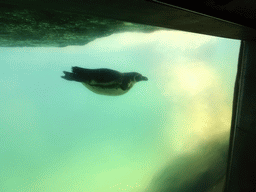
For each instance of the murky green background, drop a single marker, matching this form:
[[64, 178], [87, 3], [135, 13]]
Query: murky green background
[[56, 135]]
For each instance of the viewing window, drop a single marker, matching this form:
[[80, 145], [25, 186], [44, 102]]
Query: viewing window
[[169, 133]]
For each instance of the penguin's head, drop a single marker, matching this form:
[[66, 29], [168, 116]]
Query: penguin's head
[[138, 77], [135, 77]]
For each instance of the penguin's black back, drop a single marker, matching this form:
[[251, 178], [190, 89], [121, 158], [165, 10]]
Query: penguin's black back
[[98, 75]]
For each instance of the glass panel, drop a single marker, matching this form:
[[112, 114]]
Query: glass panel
[[169, 133]]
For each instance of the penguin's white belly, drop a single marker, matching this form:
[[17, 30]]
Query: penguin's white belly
[[112, 91]]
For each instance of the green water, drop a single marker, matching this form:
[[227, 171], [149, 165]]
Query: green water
[[56, 135]]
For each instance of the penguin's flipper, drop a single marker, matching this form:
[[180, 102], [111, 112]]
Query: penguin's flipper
[[125, 85], [71, 76]]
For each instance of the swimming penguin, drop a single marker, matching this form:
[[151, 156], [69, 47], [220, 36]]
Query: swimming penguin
[[104, 81]]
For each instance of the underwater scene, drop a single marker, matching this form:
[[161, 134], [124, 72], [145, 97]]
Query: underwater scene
[[167, 134]]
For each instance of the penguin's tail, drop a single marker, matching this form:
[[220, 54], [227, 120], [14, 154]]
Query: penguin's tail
[[71, 76]]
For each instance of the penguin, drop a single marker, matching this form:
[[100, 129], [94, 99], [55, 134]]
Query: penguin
[[104, 81]]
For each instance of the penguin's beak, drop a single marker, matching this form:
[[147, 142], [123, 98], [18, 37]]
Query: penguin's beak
[[141, 78], [144, 78]]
